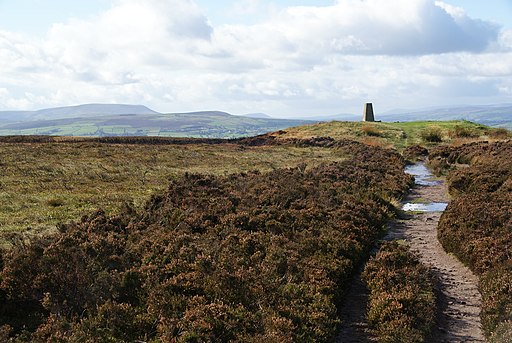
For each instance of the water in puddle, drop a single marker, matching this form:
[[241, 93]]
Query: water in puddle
[[421, 174], [423, 177], [428, 207]]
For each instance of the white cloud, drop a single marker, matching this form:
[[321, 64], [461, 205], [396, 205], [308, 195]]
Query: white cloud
[[166, 54], [18, 53], [375, 27], [457, 13], [505, 40], [132, 34], [12, 102]]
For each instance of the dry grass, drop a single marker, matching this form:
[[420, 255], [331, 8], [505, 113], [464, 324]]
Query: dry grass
[[42, 184], [45, 183], [396, 135]]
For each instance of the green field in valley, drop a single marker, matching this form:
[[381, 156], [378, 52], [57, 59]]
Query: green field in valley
[[209, 124]]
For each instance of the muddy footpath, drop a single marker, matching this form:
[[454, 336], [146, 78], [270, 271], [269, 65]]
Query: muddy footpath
[[459, 299]]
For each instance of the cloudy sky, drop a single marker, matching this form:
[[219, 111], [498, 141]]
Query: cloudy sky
[[280, 57]]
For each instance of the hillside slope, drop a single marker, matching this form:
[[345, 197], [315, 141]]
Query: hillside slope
[[398, 135], [246, 257], [130, 120], [251, 239]]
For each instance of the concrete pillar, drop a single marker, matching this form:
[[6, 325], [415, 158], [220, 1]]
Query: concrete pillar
[[368, 112]]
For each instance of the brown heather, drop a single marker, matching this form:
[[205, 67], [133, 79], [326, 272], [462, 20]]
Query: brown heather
[[50, 180], [245, 257], [477, 225], [402, 303]]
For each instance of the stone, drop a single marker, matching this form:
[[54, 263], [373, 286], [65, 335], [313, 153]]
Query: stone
[[368, 112]]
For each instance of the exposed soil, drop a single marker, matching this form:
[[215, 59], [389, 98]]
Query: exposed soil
[[459, 298], [354, 327]]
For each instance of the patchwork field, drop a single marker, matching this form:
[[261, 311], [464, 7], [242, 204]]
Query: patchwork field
[[208, 124]]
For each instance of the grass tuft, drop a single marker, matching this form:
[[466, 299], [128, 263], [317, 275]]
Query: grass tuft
[[432, 134]]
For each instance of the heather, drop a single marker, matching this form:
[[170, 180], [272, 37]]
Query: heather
[[402, 303], [250, 256], [477, 225]]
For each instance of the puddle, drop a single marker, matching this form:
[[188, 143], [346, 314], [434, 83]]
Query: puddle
[[422, 175], [429, 207]]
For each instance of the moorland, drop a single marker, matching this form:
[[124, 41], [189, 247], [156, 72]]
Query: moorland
[[252, 239]]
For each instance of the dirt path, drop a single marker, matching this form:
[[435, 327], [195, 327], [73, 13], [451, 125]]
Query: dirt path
[[460, 300], [354, 327]]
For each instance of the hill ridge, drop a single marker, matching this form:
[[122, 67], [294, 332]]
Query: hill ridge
[[136, 120]]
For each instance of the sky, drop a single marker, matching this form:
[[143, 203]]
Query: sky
[[281, 57]]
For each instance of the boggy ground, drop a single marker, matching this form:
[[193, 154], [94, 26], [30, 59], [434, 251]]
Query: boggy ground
[[459, 298]]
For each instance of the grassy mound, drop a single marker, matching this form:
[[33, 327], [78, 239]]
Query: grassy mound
[[396, 135]]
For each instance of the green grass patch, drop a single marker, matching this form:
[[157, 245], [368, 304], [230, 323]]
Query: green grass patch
[[397, 135]]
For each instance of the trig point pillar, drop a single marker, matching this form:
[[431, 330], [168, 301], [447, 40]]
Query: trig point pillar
[[368, 112]]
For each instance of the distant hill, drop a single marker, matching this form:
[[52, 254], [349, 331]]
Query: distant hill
[[88, 110], [257, 115], [491, 115], [135, 120], [92, 110], [130, 120]]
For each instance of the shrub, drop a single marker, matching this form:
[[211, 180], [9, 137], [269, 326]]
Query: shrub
[[477, 226], [496, 286], [415, 152], [371, 130], [244, 257], [432, 134], [402, 303], [460, 131], [499, 133], [5, 331], [503, 333], [55, 202]]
